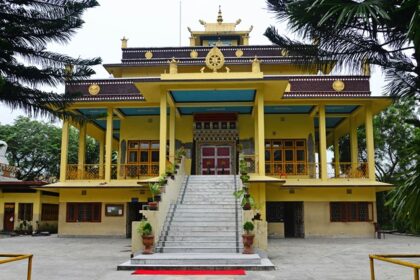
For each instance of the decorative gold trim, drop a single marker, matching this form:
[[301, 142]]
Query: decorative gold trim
[[94, 89], [239, 53], [193, 54], [338, 85], [148, 55], [284, 52], [215, 59]]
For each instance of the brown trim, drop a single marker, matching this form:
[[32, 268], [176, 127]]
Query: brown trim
[[350, 211], [233, 117], [74, 208]]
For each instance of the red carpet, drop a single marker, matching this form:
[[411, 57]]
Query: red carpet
[[189, 272]]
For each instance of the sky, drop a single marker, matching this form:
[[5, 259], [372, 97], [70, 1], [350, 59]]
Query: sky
[[156, 24]]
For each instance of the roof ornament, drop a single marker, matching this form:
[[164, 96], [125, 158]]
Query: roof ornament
[[173, 66], [202, 22], [256, 65], [238, 21], [219, 16], [215, 59], [124, 42]]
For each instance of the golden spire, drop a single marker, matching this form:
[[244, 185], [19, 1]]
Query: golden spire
[[219, 16]]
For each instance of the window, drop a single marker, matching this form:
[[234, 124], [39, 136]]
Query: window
[[26, 211], [285, 156], [351, 211], [142, 159], [114, 210], [49, 212], [84, 212], [275, 212]]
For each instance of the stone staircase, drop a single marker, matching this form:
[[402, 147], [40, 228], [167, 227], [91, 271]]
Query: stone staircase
[[205, 219], [202, 230]]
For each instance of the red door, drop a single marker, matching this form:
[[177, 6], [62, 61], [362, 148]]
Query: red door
[[216, 160], [9, 216]]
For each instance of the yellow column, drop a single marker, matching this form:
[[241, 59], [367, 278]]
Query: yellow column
[[370, 149], [354, 150], [163, 131], [108, 144], [261, 133], [64, 150], [82, 151], [322, 142], [101, 158], [336, 155], [172, 134], [256, 151]]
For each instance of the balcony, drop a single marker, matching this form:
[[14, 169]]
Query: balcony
[[305, 170]]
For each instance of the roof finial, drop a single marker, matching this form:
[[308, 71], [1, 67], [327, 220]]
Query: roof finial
[[219, 16]]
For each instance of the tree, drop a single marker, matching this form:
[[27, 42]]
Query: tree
[[35, 148], [351, 33], [26, 27]]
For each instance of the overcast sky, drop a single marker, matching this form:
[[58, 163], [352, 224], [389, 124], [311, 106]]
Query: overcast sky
[[156, 24]]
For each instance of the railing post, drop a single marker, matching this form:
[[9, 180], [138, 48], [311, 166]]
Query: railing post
[[29, 268], [372, 269]]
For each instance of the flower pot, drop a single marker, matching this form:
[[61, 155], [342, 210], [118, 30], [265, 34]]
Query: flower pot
[[158, 198], [248, 240], [172, 177], [148, 241], [153, 205], [247, 206]]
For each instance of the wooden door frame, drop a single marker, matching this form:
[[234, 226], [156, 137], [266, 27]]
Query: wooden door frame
[[4, 213]]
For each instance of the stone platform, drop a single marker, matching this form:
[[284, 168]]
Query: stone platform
[[198, 261]]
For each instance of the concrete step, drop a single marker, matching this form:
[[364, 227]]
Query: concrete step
[[206, 206], [198, 259], [173, 233], [167, 249], [203, 223], [200, 244], [227, 238], [182, 219], [198, 228]]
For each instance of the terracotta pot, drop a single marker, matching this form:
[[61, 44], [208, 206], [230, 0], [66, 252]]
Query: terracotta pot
[[248, 240], [153, 205], [148, 241]]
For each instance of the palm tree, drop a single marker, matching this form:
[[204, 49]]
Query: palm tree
[[352, 34], [26, 27]]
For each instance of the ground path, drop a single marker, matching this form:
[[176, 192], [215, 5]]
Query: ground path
[[300, 259]]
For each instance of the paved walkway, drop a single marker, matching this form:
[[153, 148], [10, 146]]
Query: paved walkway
[[300, 259]]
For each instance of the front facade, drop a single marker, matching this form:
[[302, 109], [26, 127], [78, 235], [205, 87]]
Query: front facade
[[22, 205], [221, 98]]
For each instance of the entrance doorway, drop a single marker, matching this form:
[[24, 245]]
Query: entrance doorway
[[293, 220], [133, 214], [9, 217], [216, 160]]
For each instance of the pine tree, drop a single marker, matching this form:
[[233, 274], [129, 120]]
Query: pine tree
[[26, 66]]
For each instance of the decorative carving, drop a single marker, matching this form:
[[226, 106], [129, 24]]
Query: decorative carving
[[173, 66], [256, 65], [148, 55], [124, 42], [202, 22], [338, 85], [215, 59], [94, 89], [3, 150], [239, 53], [193, 54], [284, 52]]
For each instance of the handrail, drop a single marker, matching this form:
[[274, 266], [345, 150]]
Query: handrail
[[18, 257], [236, 217], [389, 258]]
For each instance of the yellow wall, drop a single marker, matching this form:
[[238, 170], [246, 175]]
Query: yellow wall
[[109, 226], [288, 126], [277, 193], [36, 198], [317, 223]]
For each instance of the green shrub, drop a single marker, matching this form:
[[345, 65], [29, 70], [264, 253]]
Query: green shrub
[[144, 228], [248, 227]]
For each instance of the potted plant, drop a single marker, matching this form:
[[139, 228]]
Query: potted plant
[[247, 201], [170, 171], [145, 230], [243, 167], [248, 237], [162, 180], [179, 153], [154, 191]]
